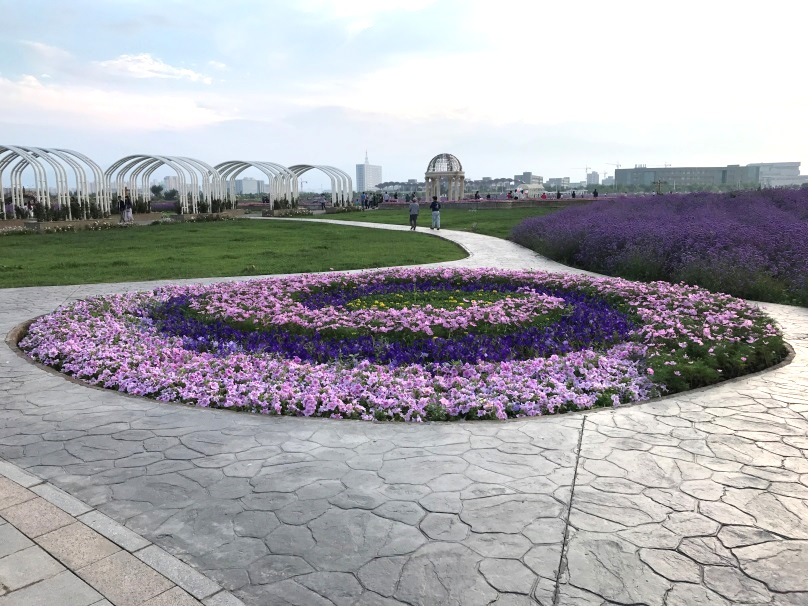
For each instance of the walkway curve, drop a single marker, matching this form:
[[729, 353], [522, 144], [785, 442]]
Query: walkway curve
[[701, 498]]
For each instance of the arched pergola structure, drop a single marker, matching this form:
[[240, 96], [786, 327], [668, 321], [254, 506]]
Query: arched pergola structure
[[445, 166], [341, 182], [194, 178], [60, 162], [280, 179]]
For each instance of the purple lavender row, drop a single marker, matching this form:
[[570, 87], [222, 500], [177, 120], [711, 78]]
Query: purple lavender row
[[749, 244]]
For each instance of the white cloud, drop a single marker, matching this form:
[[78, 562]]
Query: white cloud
[[46, 51], [362, 8], [217, 65], [144, 65], [27, 100]]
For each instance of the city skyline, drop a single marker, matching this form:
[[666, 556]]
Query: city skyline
[[180, 79]]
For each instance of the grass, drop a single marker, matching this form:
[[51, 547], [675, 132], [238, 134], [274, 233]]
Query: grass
[[196, 250], [495, 222]]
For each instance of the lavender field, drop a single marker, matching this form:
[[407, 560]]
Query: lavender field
[[749, 244]]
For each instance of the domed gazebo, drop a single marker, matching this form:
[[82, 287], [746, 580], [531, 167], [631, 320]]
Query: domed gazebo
[[445, 166]]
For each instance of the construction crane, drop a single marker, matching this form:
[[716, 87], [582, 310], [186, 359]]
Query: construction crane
[[586, 168], [615, 164]]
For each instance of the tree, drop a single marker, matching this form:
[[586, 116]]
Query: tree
[[156, 191], [171, 194]]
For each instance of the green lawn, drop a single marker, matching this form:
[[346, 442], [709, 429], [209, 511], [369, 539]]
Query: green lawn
[[498, 223], [195, 250]]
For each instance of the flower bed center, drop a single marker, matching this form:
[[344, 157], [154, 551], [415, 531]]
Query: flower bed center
[[392, 322]]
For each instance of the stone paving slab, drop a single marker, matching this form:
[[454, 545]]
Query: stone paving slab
[[701, 498], [46, 552]]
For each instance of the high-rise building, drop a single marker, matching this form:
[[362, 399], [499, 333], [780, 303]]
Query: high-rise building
[[248, 185], [171, 182], [368, 176], [592, 178]]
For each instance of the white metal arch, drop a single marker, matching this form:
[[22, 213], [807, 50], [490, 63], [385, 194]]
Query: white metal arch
[[30, 157], [57, 160], [193, 176], [10, 153], [98, 174], [280, 178], [341, 183]]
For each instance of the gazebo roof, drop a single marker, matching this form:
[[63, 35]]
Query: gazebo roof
[[444, 163]]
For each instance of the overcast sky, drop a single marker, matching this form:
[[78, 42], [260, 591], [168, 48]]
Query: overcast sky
[[505, 85]]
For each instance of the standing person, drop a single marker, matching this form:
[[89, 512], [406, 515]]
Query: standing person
[[435, 208], [558, 194], [414, 210], [573, 194], [595, 194], [128, 211], [121, 210]]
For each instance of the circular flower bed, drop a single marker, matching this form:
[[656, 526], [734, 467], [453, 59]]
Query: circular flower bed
[[408, 344]]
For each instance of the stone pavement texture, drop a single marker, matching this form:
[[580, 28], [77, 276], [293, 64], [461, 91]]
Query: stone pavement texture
[[701, 498], [56, 550]]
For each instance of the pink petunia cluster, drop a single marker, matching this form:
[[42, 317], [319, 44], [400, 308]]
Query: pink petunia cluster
[[111, 341]]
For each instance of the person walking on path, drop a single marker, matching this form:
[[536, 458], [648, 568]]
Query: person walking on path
[[435, 208], [128, 211], [414, 210], [121, 210]]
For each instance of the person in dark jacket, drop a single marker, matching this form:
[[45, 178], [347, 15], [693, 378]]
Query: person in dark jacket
[[435, 208]]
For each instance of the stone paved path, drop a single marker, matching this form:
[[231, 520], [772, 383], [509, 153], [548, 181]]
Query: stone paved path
[[56, 550], [695, 499]]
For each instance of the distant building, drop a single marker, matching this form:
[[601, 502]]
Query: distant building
[[171, 182], [368, 176], [248, 185], [527, 178], [608, 181], [559, 182], [770, 174], [592, 178], [780, 174]]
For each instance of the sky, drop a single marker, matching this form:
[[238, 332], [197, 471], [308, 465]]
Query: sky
[[506, 86]]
